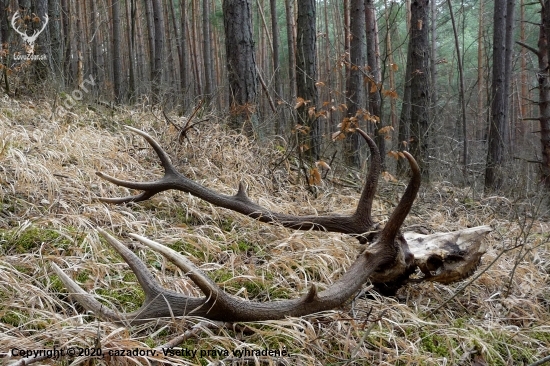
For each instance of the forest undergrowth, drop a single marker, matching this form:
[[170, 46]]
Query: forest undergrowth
[[49, 212]]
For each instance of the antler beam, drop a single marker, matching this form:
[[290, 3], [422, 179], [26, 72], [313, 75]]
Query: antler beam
[[359, 224]]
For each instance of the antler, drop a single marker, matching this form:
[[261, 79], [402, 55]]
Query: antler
[[13, 20], [358, 224], [218, 305], [29, 40]]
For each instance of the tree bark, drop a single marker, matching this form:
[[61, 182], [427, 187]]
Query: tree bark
[[390, 29], [306, 76], [150, 35], [4, 5], [241, 65], [66, 16], [207, 49], [4, 39], [462, 93], [481, 96], [420, 85], [291, 44], [544, 93], [279, 123], [41, 69], [502, 51], [158, 16], [131, 15], [373, 62], [404, 134], [184, 60], [117, 57], [355, 90]]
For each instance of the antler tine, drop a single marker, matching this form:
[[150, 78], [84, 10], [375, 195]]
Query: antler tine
[[135, 198], [45, 21], [145, 278], [364, 207], [402, 210], [13, 20], [150, 188], [85, 299], [165, 160], [206, 285]]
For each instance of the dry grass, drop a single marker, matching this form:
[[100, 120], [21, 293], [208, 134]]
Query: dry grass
[[48, 212]]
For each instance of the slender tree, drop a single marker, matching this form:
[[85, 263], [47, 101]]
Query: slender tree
[[184, 50], [420, 84], [150, 36], [544, 93], [3, 22], [158, 16], [41, 68], [207, 49], [404, 134], [306, 77], [131, 16], [117, 50], [375, 78], [481, 98], [279, 127], [461, 92], [291, 45], [4, 42], [355, 90], [390, 28], [195, 48], [502, 52], [67, 27]]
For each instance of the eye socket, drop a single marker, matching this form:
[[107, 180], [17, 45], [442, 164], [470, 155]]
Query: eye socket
[[434, 262]]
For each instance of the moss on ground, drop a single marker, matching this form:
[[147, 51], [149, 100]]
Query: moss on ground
[[35, 238]]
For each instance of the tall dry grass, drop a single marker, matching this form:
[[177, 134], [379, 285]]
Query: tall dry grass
[[49, 212]]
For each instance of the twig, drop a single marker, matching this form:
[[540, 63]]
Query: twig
[[355, 352], [191, 333], [266, 91], [541, 361], [528, 47], [199, 327], [29, 360]]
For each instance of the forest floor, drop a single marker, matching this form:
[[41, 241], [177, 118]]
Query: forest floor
[[49, 213]]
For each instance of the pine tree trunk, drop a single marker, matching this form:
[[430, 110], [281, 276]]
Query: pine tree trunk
[[158, 16], [207, 49], [241, 65], [355, 90], [184, 60], [420, 85], [41, 68], [306, 76], [150, 36], [502, 24], [131, 16], [373, 62], [544, 94], [278, 86], [117, 58], [291, 44]]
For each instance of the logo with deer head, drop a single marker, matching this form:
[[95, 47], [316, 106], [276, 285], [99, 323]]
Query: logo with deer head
[[29, 40]]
